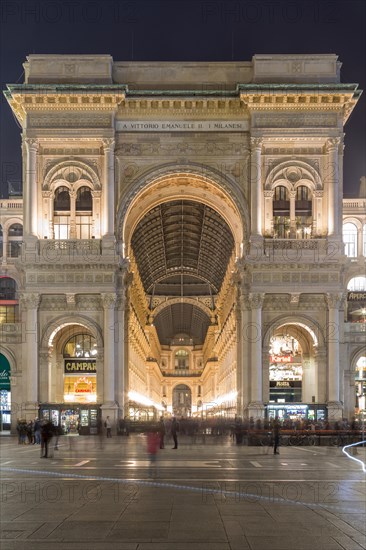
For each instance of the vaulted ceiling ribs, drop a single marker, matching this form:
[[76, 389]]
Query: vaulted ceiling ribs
[[182, 248]]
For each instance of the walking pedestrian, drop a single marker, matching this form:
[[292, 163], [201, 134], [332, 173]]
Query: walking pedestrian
[[276, 436], [161, 432], [153, 443], [108, 426], [174, 429]]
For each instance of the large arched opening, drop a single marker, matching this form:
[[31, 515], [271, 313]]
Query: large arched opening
[[294, 376], [182, 233], [71, 375]]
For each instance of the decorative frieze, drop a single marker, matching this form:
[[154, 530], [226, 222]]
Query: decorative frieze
[[72, 120]]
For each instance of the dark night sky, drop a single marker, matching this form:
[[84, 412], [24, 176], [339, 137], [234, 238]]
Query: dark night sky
[[183, 30]]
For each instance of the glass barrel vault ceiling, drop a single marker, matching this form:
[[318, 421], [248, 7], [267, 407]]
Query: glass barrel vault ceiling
[[182, 248]]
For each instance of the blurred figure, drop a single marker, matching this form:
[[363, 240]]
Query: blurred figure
[[108, 426], [37, 432], [174, 430], [46, 436], [276, 436], [161, 432], [153, 444]]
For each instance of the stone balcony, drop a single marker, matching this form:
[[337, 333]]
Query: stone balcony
[[297, 250], [85, 251], [182, 373], [354, 328]]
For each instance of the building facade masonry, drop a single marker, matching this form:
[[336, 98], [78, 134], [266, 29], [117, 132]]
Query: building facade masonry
[[182, 245]]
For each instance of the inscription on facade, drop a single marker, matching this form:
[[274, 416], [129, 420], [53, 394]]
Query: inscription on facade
[[182, 126]]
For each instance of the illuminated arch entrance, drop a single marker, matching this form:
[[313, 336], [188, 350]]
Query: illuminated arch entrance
[[293, 370], [182, 232]]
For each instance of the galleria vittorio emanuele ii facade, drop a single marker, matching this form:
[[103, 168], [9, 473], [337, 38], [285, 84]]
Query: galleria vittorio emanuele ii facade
[[182, 245]]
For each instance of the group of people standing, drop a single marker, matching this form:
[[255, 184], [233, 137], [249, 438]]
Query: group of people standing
[[38, 432]]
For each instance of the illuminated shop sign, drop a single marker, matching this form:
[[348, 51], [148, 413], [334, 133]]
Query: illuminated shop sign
[[356, 296], [285, 384], [282, 358], [76, 366]]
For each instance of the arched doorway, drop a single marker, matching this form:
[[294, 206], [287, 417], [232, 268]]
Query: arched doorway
[[5, 394], [71, 391], [293, 372], [182, 401]]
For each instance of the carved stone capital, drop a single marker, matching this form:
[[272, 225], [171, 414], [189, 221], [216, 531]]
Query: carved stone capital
[[256, 144], [269, 194], [108, 144], [29, 301], [292, 194], [256, 300], [31, 144], [319, 194], [70, 299], [334, 300], [332, 144], [108, 300], [295, 298]]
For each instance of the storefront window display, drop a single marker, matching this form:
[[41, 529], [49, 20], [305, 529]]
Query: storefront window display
[[80, 380], [285, 370], [360, 384]]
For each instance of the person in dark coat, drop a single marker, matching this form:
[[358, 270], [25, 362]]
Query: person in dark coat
[[174, 429], [276, 436], [46, 436]]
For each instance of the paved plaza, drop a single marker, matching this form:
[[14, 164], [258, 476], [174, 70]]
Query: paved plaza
[[99, 494]]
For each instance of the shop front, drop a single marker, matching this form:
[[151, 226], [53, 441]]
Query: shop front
[[72, 418], [296, 411], [5, 394]]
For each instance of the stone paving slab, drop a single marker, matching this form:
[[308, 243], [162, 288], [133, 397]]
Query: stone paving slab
[[235, 507]]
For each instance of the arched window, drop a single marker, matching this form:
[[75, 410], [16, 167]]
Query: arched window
[[356, 303], [62, 200], [303, 212], [350, 240], [15, 235], [84, 206], [84, 201], [281, 213], [61, 219], [364, 240], [81, 345], [1, 241], [357, 284], [181, 360]]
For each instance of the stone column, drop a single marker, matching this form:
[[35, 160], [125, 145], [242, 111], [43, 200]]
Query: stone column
[[334, 405], [5, 245], [96, 214], [293, 234], [108, 301], [108, 201], [29, 304], [30, 189], [256, 186], [256, 408], [72, 234], [317, 213], [268, 212], [123, 378], [332, 177]]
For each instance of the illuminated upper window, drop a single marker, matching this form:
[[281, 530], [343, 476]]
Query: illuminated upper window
[[350, 240]]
